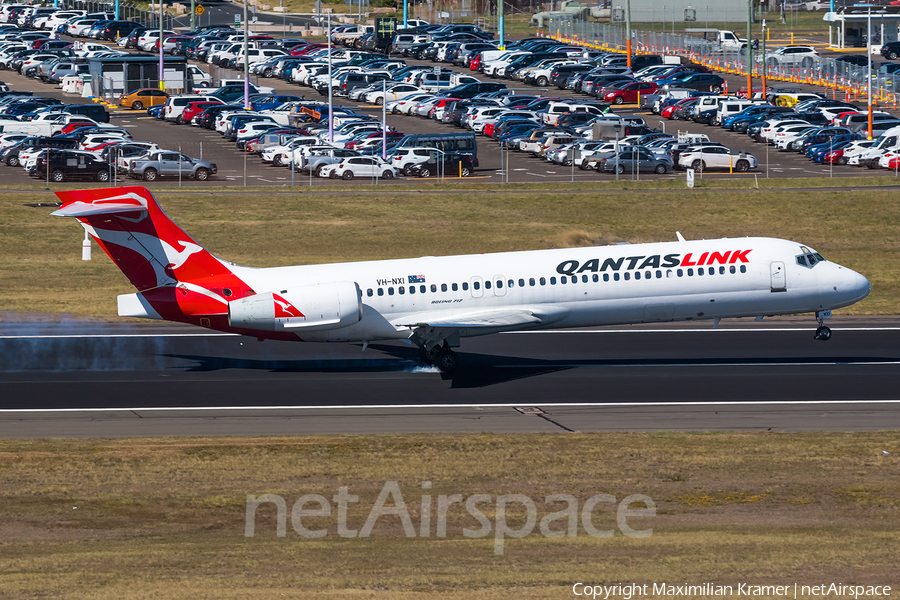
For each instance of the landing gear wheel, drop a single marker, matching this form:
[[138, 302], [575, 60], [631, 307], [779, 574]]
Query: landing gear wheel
[[447, 360], [823, 334], [429, 356]]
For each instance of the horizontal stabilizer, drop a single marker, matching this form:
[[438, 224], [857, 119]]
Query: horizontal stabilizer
[[104, 201]]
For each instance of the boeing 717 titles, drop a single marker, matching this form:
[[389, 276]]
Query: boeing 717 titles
[[434, 302]]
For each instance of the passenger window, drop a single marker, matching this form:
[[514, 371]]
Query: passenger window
[[487, 285], [743, 268], [510, 283], [690, 272], [721, 270], [531, 281], [615, 276], [433, 288], [563, 280], [476, 285], [584, 278], [369, 292], [454, 287], [606, 277], [659, 274], [499, 284], [412, 289], [636, 275], [543, 281], [465, 286], [402, 290], [732, 269], [553, 281], [680, 272], [443, 287], [699, 271], [627, 276], [390, 291]]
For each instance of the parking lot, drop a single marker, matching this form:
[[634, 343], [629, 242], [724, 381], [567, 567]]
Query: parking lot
[[236, 168]]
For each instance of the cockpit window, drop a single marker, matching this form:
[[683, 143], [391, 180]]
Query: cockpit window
[[809, 258]]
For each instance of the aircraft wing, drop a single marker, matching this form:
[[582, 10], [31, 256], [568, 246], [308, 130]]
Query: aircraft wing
[[441, 324]]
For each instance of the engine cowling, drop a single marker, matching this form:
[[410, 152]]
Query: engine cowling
[[305, 308]]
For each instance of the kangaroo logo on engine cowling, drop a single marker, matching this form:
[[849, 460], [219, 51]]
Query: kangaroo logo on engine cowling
[[655, 261]]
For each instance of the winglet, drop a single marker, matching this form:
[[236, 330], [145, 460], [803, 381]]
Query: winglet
[[680, 237]]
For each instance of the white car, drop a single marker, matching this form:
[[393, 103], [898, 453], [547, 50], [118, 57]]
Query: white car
[[280, 156], [768, 133], [854, 151], [804, 56], [11, 139], [364, 166], [717, 158], [786, 136], [404, 106], [404, 158], [398, 92]]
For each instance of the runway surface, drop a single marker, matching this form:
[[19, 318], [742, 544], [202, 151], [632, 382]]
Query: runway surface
[[85, 379]]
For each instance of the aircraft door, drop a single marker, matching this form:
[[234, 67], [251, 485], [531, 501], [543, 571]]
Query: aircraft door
[[778, 283], [499, 285]]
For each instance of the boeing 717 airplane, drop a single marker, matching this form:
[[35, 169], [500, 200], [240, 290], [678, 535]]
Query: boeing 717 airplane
[[434, 302]]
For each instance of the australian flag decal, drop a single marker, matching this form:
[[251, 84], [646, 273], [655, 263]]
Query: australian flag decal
[[417, 279]]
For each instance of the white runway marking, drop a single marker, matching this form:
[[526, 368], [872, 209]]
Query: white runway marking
[[475, 406]]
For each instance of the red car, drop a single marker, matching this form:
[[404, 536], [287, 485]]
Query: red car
[[668, 111], [192, 109], [77, 124], [475, 62], [630, 92]]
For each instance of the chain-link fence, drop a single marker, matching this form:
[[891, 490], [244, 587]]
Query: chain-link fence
[[839, 78]]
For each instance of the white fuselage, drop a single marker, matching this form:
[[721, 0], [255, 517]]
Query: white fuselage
[[579, 287]]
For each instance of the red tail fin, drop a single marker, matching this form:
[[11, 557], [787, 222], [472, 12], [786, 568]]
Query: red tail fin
[[172, 272]]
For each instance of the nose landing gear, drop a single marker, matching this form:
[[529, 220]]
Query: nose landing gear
[[823, 333]]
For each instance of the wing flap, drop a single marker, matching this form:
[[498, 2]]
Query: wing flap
[[489, 318]]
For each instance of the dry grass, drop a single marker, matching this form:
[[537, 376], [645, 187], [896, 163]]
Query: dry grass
[[165, 517], [41, 269]]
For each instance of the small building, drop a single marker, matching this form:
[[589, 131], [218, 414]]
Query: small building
[[851, 28], [702, 12], [113, 76]]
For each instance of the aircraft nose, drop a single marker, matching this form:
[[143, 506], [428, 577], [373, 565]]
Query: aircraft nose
[[863, 287]]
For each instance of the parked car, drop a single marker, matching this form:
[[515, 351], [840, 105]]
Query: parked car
[[631, 160], [447, 165], [703, 159], [143, 98], [166, 163], [71, 164], [364, 166]]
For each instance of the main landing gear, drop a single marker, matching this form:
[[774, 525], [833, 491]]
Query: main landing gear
[[442, 357], [823, 333]]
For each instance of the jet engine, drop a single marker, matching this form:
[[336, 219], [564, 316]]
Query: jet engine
[[305, 308]]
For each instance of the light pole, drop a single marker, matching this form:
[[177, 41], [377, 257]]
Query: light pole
[[502, 45], [162, 69], [384, 119], [330, 97], [246, 60], [628, 33], [749, 49], [869, 70]]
